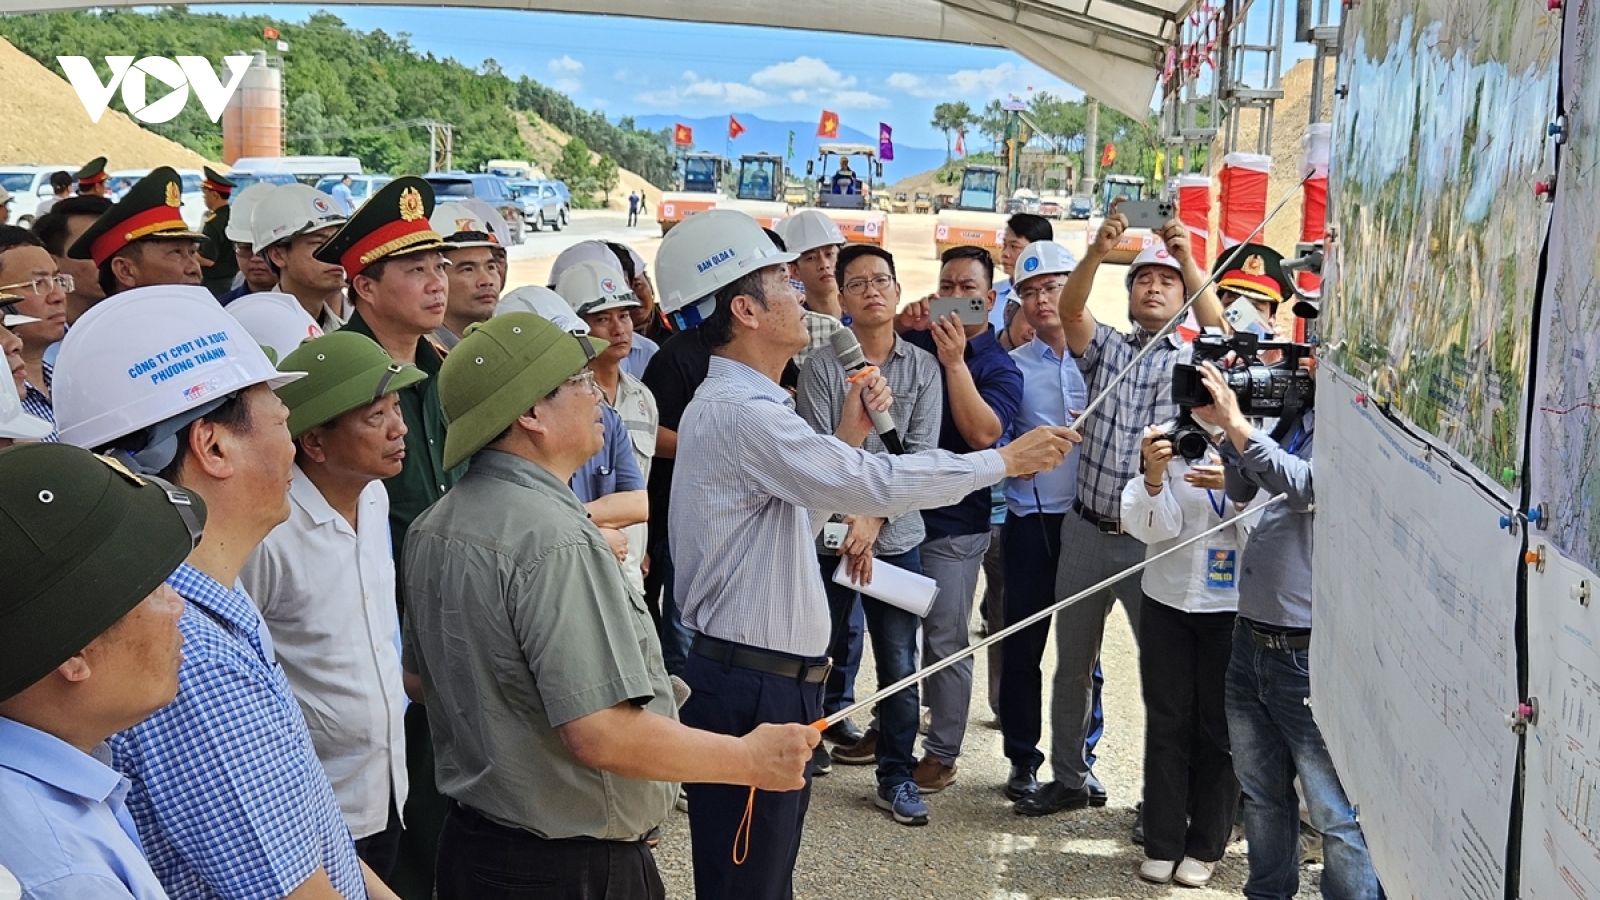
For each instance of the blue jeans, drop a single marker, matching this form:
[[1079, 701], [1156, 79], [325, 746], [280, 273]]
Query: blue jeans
[[1274, 738], [894, 652], [675, 636]]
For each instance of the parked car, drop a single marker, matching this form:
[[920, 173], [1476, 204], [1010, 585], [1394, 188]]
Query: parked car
[[28, 186], [1050, 207], [361, 186], [542, 204], [566, 198], [492, 189], [1081, 206]]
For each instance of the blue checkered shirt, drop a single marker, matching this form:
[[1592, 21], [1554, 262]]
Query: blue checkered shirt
[[36, 404], [228, 795], [1109, 454]]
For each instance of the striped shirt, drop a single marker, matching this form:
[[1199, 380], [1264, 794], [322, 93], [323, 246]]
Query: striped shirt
[[1109, 454], [918, 391], [820, 328], [36, 404], [228, 795], [749, 472]]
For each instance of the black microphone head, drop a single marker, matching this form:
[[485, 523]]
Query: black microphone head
[[847, 349]]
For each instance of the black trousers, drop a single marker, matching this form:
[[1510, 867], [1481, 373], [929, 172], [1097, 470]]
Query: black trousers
[[1190, 792], [380, 851], [484, 860]]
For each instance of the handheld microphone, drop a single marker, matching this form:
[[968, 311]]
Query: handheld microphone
[[848, 351]]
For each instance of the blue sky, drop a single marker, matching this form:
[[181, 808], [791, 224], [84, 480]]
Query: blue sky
[[642, 67]]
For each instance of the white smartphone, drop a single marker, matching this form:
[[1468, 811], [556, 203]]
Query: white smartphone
[[970, 309]]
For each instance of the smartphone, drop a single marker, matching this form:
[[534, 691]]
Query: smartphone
[[1151, 214], [1243, 316], [970, 309]]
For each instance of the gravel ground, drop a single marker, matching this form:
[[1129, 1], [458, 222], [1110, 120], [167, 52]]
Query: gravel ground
[[975, 847]]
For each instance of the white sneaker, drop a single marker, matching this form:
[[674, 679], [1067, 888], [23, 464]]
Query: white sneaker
[[1157, 871], [1193, 873]]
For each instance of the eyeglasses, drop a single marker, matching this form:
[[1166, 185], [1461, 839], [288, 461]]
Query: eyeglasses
[[858, 286], [1034, 291], [42, 286], [584, 379]]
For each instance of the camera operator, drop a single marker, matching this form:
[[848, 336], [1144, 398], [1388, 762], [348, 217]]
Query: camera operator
[[1273, 733]]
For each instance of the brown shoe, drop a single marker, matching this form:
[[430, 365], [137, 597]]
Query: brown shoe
[[862, 753], [933, 776]]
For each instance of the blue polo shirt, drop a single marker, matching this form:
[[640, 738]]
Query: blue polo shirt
[[611, 470], [1000, 385], [65, 831], [1052, 388]]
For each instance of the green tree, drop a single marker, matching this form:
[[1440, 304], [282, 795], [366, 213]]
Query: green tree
[[951, 118], [605, 175], [574, 167], [992, 122]]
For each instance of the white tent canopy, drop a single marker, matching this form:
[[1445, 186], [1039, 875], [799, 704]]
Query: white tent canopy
[[1112, 49]]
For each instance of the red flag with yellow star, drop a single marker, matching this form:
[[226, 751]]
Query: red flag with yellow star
[[734, 128], [828, 127], [682, 135]]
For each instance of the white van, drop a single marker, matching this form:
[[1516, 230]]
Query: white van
[[29, 186]]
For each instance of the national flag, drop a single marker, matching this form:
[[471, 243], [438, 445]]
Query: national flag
[[961, 143], [828, 126], [734, 128], [791, 146], [269, 33], [885, 142], [1161, 161], [1108, 155], [682, 135]]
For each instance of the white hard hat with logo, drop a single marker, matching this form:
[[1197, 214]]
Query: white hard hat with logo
[[809, 229], [590, 287], [584, 251], [460, 224], [543, 302], [1043, 258], [276, 321], [705, 253], [289, 211], [499, 227], [241, 210], [152, 360], [1154, 255]]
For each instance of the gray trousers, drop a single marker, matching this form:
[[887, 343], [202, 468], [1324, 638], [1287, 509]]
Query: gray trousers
[[952, 562], [1087, 558], [994, 603]]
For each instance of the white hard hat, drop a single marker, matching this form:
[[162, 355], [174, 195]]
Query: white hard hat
[[1154, 255], [292, 209], [1042, 258], [584, 251], [153, 356], [275, 321], [590, 287], [809, 229], [640, 267], [14, 422], [541, 301], [498, 226], [242, 211], [707, 252], [455, 219]]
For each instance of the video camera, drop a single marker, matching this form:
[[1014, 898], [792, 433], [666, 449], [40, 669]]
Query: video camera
[[1277, 390]]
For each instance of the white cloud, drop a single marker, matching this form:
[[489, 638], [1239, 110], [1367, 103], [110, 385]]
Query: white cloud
[[965, 84], [857, 100], [566, 65], [803, 72], [566, 85], [697, 90]]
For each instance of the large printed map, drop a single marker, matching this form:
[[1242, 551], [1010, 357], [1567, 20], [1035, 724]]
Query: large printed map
[[1566, 421], [1438, 147]]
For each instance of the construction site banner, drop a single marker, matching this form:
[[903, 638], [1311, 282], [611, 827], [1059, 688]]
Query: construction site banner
[[1438, 147], [1413, 658]]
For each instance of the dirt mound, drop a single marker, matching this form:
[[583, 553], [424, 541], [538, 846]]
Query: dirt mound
[[544, 147], [48, 126]]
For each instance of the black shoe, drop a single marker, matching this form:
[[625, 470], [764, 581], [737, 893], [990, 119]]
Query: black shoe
[[1097, 791], [843, 732], [1138, 824], [821, 762], [1050, 799], [1022, 782]]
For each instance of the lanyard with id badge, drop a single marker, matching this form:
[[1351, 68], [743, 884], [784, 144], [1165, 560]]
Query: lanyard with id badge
[[1222, 563]]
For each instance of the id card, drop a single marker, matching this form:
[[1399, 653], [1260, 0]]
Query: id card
[[1221, 569]]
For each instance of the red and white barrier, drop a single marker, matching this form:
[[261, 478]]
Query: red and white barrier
[[1194, 210], [1244, 196]]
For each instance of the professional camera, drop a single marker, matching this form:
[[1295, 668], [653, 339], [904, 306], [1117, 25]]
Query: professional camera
[[1276, 390]]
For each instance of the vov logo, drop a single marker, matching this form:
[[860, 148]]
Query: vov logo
[[178, 76]]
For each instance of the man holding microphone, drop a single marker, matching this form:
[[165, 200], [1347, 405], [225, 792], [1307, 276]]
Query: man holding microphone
[[753, 477]]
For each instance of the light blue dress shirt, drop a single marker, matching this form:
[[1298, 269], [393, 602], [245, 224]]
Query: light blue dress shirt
[[1052, 388], [639, 356], [65, 831]]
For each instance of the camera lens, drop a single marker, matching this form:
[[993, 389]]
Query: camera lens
[[1192, 445]]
